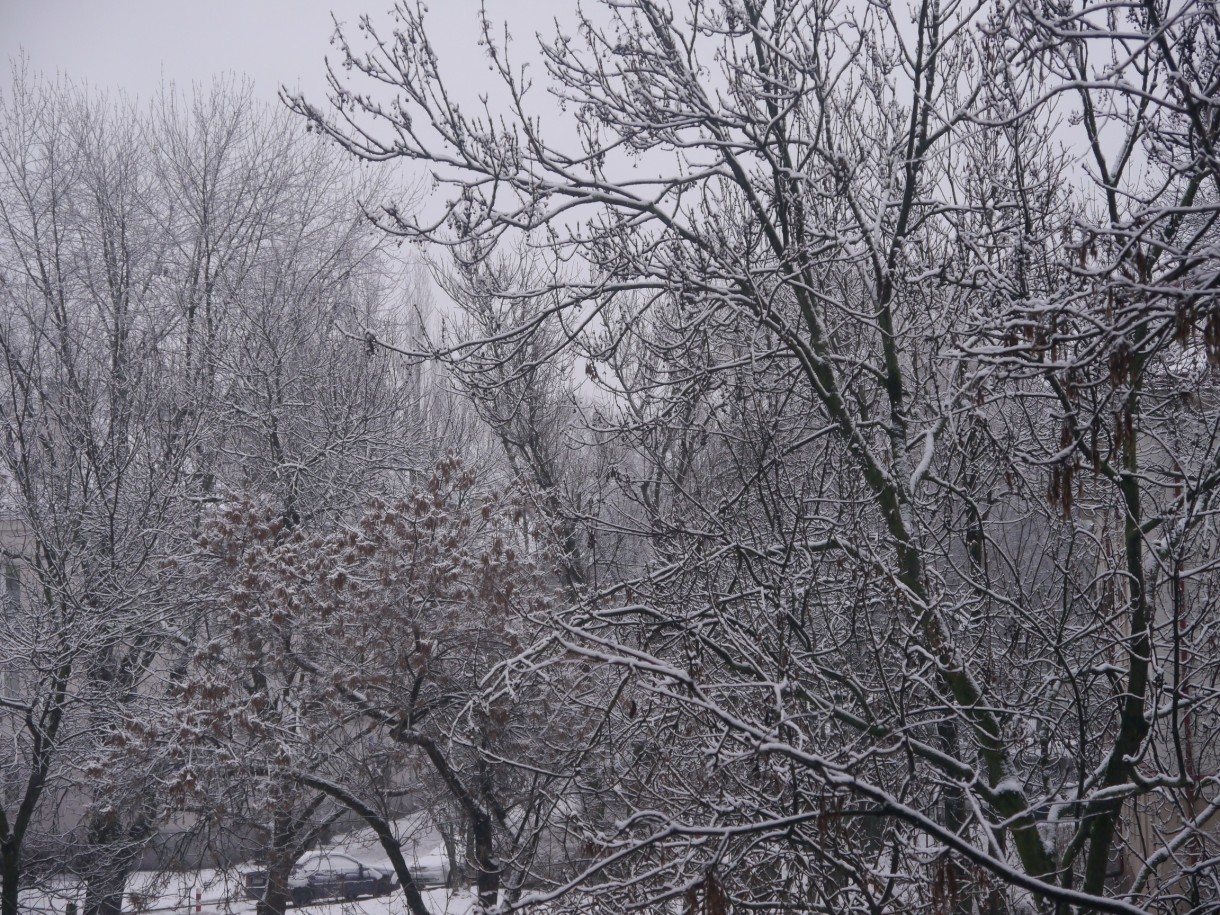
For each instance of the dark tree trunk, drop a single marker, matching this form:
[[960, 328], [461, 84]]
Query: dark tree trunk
[[279, 866], [389, 844], [114, 851], [487, 881], [10, 870], [456, 870], [104, 892]]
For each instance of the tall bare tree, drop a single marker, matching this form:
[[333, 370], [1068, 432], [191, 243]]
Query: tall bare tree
[[94, 450], [927, 482], [181, 293]]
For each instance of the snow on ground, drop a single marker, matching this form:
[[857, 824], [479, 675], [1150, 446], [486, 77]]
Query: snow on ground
[[212, 892]]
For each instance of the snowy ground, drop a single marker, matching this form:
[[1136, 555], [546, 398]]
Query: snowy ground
[[211, 892]]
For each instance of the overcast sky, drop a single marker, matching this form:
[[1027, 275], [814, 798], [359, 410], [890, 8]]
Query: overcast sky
[[132, 44]]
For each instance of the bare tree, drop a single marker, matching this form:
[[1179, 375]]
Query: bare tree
[[180, 296], [899, 648], [93, 452], [521, 386]]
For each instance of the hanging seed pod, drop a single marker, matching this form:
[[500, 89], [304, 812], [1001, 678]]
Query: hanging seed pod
[[1065, 491], [1183, 323], [1120, 364], [717, 900], [1211, 336], [951, 884], [1141, 266], [938, 887]]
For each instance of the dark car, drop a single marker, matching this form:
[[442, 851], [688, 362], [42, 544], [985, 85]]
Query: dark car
[[323, 875]]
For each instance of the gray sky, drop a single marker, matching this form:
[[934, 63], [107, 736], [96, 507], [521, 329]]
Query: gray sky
[[131, 45]]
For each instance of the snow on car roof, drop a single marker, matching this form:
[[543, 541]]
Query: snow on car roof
[[323, 855]]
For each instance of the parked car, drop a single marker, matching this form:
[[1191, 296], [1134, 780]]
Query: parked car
[[429, 870], [323, 875]]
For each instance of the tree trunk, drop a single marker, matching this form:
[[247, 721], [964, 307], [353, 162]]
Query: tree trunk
[[455, 872], [487, 881], [381, 826], [104, 892], [10, 870], [279, 866], [113, 854]]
